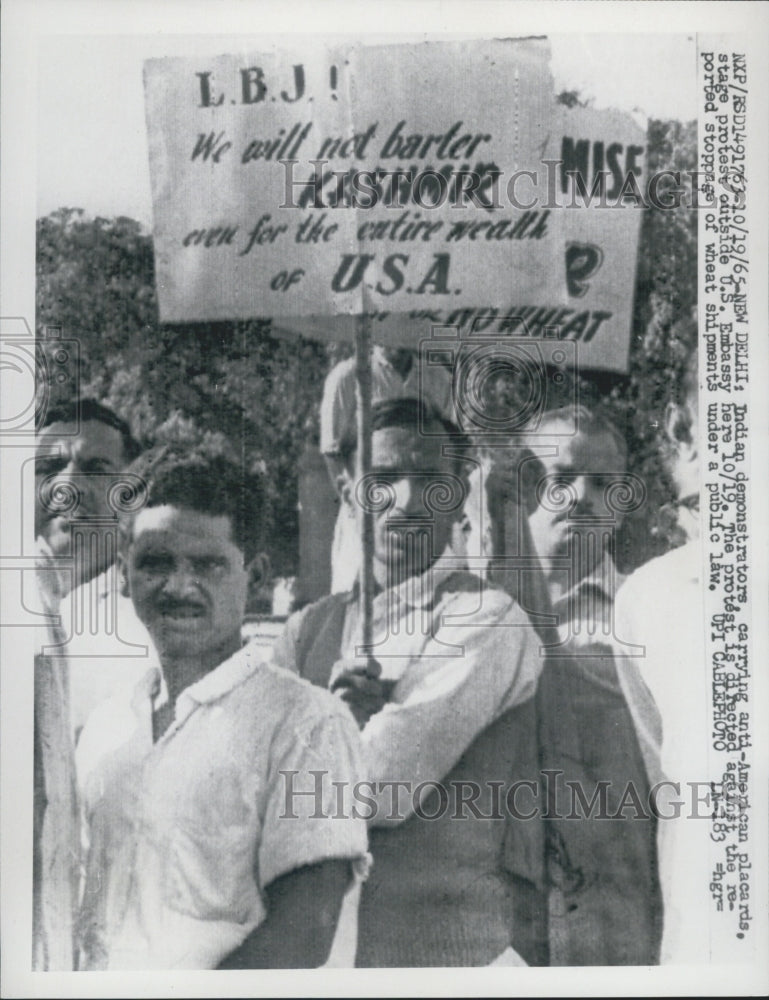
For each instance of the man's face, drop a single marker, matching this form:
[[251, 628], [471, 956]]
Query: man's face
[[88, 463], [421, 497], [187, 579], [573, 485]]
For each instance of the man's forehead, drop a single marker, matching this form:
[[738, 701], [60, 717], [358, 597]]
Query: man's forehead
[[594, 450], [92, 437], [169, 524], [391, 446]]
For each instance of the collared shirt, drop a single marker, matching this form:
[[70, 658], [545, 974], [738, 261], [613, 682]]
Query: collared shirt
[[586, 611], [186, 833], [338, 407], [668, 688], [460, 654], [56, 858]]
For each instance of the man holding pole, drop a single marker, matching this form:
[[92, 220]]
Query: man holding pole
[[445, 710]]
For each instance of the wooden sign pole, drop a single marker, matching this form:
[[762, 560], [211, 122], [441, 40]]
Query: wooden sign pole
[[363, 381]]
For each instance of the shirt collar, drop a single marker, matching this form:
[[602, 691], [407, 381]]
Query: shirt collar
[[605, 578], [419, 591], [219, 681]]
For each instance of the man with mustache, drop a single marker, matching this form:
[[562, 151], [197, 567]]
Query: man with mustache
[[446, 706], [396, 373], [194, 860], [80, 452]]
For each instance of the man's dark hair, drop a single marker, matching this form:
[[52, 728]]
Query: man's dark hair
[[409, 412], [209, 483], [590, 421], [82, 411]]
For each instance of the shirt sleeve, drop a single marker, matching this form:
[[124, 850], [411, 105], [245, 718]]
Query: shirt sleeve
[[337, 408], [444, 701], [284, 647], [309, 817]]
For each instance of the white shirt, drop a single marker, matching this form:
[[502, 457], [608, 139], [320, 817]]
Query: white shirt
[[186, 833], [458, 660], [586, 611], [667, 688]]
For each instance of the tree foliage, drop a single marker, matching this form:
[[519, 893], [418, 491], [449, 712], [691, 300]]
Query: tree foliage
[[237, 384], [231, 384]]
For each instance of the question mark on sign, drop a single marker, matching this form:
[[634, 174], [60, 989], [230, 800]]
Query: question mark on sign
[[582, 262]]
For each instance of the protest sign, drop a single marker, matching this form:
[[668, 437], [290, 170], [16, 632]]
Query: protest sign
[[313, 186]]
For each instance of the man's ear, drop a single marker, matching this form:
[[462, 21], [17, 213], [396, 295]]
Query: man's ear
[[259, 570], [122, 570]]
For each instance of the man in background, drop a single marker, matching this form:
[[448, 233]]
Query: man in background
[[395, 374], [196, 857], [568, 478], [84, 450]]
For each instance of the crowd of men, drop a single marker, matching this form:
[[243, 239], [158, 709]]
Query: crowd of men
[[480, 787]]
